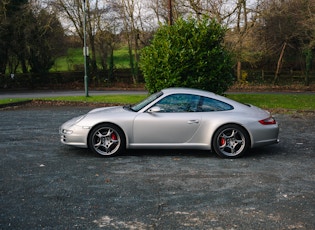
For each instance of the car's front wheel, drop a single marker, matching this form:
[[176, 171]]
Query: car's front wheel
[[106, 140], [230, 141]]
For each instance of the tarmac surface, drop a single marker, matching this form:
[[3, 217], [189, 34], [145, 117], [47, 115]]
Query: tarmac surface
[[46, 185]]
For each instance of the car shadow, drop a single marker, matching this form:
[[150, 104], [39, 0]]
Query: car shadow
[[266, 151], [170, 153], [74, 151]]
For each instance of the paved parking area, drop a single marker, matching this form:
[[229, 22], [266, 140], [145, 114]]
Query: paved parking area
[[45, 185]]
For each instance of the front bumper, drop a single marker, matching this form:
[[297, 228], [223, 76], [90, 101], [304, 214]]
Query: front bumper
[[74, 135]]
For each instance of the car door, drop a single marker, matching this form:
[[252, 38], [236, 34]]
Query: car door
[[176, 121]]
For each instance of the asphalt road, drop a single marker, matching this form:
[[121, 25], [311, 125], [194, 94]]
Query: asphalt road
[[45, 185]]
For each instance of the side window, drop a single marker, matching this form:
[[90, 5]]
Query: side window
[[178, 103], [208, 105]]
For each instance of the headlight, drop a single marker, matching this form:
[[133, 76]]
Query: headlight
[[65, 131]]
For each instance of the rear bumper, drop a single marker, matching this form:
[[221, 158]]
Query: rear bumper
[[266, 142], [265, 135]]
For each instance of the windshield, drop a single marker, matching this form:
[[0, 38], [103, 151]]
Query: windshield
[[146, 101]]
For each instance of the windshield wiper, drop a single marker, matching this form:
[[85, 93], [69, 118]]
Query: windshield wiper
[[128, 107]]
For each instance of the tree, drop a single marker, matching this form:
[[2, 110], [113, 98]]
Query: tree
[[129, 16], [12, 43], [159, 9], [30, 37], [307, 29], [189, 54], [239, 16], [287, 31], [107, 39], [73, 12], [44, 37]]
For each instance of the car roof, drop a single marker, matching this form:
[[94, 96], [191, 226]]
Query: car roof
[[187, 90]]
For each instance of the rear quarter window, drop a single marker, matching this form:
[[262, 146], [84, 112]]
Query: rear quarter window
[[209, 104]]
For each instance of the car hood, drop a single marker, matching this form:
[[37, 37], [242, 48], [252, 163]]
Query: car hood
[[113, 109], [104, 114]]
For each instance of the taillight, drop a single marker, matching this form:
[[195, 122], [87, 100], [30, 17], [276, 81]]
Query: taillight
[[268, 121]]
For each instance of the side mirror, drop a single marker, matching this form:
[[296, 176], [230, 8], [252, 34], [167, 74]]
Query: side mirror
[[154, 109]]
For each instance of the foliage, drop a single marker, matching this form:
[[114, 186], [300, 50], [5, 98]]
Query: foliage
[[288, 24], [30, 38], [11, 40], [188, 54], [43, 38]]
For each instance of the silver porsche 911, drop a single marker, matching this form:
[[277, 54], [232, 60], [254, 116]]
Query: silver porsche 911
[[174, 118]]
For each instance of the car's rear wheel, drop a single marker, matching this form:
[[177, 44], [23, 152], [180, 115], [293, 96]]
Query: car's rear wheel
[[106, 140], [230, 141]]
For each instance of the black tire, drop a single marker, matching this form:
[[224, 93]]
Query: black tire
[[230, 141], [107, 140]]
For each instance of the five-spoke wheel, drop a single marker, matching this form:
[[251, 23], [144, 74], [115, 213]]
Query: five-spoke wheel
[[230, 141], [106, 140]]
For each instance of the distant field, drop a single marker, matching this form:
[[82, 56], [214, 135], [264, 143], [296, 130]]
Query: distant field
[[74, 59]]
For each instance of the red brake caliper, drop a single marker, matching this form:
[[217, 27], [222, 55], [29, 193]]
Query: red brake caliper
[[222, 141], [114, 137]]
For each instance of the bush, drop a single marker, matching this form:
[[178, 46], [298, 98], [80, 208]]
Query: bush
[[188, 54]]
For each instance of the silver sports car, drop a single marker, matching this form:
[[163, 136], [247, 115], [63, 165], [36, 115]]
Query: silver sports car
[[174, 118]]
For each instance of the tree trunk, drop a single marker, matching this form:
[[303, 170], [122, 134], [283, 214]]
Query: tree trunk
[[131, 62], [239, 71], [275, 80], [111, 64], [308, 65], [91, 40]]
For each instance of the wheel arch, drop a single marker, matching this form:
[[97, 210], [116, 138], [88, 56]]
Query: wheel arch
[[231, 123], [106, 123]]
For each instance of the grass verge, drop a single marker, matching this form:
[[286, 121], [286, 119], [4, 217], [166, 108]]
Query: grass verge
[[110, 99], [278, 101], [13, 100]]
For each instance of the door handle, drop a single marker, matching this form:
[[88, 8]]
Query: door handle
[[193, 122]]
